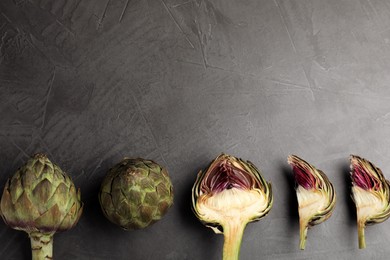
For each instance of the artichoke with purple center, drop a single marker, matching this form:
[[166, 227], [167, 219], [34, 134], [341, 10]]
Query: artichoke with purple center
[[136, 193], [227, 196], [40, 199], [371, 194], [315, 193]]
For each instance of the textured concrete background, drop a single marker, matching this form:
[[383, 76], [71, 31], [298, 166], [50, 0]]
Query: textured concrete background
[[179, 81]]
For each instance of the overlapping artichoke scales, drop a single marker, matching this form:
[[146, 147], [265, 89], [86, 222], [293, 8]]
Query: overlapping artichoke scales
[[136, 193], [40, 197], [316, 182], [246, 195], [370, 191]]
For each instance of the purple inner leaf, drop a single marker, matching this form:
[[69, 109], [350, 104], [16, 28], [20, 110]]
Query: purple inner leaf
[[363, 179], [304, 178], [226, 176]]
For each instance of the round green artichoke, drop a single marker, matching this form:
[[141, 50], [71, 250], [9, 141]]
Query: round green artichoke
[[40, 199], [136, 193]]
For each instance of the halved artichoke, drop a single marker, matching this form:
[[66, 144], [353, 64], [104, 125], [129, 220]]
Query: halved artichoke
[[371, 194], [315, 193], [227, 196]]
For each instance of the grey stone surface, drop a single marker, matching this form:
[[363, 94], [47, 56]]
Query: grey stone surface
[[177, 81]]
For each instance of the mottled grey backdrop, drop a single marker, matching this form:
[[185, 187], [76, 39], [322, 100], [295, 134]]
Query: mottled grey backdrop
[[180, 81]]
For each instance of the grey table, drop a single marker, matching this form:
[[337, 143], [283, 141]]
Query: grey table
[[177, 81]]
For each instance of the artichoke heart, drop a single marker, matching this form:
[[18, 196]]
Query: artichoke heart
[[241, 204], [315, 194], [227, 196], [371, 194], [40, 199], [310, 202]]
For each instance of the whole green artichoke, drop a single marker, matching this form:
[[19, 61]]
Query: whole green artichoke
[[136, 193], [40, 199]]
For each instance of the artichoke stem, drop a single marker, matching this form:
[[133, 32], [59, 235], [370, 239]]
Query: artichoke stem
[[233, 233], [303, 227], [41, 246], [362, 240]]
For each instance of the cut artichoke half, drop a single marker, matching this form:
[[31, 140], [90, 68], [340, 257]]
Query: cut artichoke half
[[315, 193], [371, 194], [227, 196]]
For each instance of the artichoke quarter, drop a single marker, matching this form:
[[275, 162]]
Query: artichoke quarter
[[227, 196], [371, 194], [136, 193], [40, 199], [315, 194]]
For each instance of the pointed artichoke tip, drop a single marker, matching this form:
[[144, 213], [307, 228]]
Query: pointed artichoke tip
[[356, 159], [291, 158], [223, 156], [39, 155], [294, 160]]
